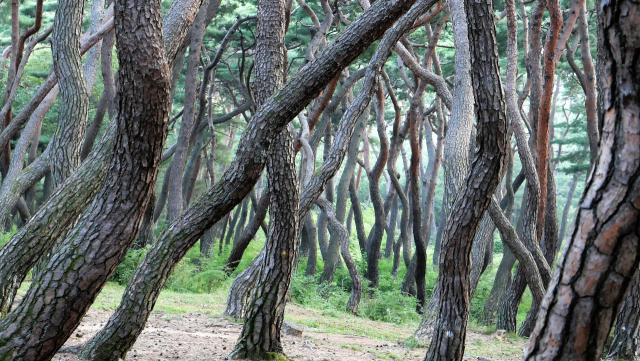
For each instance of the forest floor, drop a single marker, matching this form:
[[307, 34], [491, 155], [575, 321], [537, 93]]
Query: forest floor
[[190, 327]]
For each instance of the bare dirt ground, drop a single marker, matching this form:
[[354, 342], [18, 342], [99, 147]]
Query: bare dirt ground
[[200, 336]]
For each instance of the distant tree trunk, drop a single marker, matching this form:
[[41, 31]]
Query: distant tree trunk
[[312, 246], [590, 85], [175, 203], [377, 231], [567, 209], [543, 121], [241, 244], [164, 193], [107, 101], [502, 281], [391, 228], [207, 241], [333, 248], [549, 246], [416, 211], [602, 257], [397, 139], [192, 169], [625, 337], [242, 220], [473, 198], [500, 286], [323, 236], [234, 221], [436, 246], [357, 211], [356, 280], [225, 223]]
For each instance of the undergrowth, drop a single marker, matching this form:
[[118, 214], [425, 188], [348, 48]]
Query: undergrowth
[[199, 275]]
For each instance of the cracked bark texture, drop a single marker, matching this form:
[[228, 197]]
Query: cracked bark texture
[[82, 263], [65, 205], [147, 281], [602, 256], [455, 158], [74, 97], [474, 197], [625, 337], [261, 332]]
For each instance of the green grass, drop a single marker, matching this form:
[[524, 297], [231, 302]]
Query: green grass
[[199, 285]]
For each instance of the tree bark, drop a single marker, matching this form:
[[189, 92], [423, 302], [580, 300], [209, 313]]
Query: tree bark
[[625, 337], [456, 145], [128, 321], [602, 257], [89, 254], [74, 98], [482, 180]]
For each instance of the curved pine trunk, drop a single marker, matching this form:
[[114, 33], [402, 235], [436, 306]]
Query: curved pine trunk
[[473, 198], [377, 231], [89, 254], [601, 260], [245, 170]]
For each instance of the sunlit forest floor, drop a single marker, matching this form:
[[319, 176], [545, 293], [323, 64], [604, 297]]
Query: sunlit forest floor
[[190, 327]]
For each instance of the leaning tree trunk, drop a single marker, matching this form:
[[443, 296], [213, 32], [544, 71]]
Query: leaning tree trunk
[[625, 337], [549, 245], [456, 147], [129, 319], [356, 210], [38, 236], [241, 244], [60, 297], [602, 257], [474, 198], [74, 104], [261, 333]]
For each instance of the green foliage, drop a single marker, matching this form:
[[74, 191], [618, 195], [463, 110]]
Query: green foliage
[[125, 270], [6, 236]]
